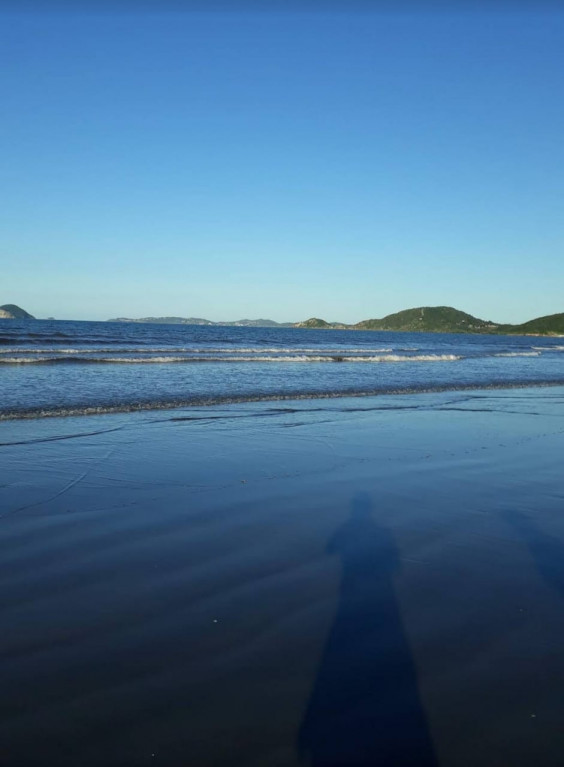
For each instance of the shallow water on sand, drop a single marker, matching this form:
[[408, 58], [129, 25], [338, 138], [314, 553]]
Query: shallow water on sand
[[326, 582]]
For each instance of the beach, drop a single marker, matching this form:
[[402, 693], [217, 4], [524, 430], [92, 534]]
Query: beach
[[373, 580]]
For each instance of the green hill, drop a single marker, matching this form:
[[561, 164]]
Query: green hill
[[13, 312], [431, 319], [445, 319], [552, 324], [315, 322]]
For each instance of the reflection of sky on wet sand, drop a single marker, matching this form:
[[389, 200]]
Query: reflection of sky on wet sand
[[125, 537]]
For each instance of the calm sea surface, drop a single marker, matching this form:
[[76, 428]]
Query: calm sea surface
[[50, 368]]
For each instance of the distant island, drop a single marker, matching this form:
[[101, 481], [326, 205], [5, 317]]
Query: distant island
[[423, 319], [201, 321], [13, 312]]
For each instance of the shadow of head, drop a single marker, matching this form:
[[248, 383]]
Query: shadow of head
[[365, 546], [362, 506]]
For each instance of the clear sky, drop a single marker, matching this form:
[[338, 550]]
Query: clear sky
[[344, 162]]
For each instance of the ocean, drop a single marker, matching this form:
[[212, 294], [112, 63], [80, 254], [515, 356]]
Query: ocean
[[251, 581], [59, 368]]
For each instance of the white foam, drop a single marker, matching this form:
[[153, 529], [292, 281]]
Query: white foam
[[33, 350], [21, 360], [517, 354], [404, 358], [293, 358], [231, 358], [192, 350]]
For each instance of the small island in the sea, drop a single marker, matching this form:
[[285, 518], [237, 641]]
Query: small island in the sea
[[13, 312], [201, 321]]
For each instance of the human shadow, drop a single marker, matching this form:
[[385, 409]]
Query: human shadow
[[365, 707], [546, 550]]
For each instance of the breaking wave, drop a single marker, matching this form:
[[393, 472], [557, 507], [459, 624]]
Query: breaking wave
[[73, 360], [518, 354], [196, 350]]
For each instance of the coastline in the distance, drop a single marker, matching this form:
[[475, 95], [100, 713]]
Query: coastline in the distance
[[428, 319]]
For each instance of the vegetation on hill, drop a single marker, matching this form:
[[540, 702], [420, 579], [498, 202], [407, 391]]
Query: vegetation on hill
[[552, 324], [315, 322], [445, 319], [434, 319]]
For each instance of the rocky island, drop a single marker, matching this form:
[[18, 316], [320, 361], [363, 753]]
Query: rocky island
[[13, 312]]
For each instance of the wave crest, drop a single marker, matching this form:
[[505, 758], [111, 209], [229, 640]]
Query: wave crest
[[75, 360]]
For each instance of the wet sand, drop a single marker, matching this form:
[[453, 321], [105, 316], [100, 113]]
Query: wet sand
[[372, 581]]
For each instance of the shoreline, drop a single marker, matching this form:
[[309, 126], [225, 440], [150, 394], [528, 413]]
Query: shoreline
[[247, 585], [203, 402]]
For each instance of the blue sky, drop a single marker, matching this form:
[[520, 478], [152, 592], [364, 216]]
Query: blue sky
[[337, 163]]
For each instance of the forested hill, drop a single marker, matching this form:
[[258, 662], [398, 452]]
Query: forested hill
[[432, 319], [552, 324], [445, 319]]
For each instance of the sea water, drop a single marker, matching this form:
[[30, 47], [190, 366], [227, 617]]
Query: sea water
[[57, 368]]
